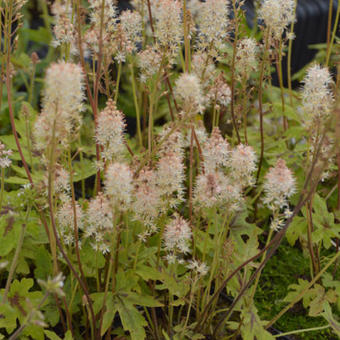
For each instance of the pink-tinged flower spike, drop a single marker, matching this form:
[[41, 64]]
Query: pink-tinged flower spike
[[317, 97], [220, 92], [129, 34], [110, 132], [63, 28], [170, 178], [118, 186], [214, 190], [99, 223], [246, 59], [168, 27], [277, 15], [279, 186], [213, 24], [189, 94], [62, 103], [149, 61], [92, 36], [177, 235], [173, 141], [215, 151], [5, 161], [203, 67], [110, 15], [147, 203], [65, 221], [242, 163]]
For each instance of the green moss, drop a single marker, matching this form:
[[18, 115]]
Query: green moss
[[284, 269]]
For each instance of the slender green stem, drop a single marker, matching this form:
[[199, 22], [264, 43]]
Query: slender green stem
[[232, 102], [152, 104], [135, 100], [31, 87], [262, 74], [302, 331], [289, 58], [192, 295], [75, 219], [136, 255], [28, 136], [314, 267], [335, 28], [16, 256], [244, 109], [119, 73], [171, 298], [2, 190], [115, 268], [74, 291], [270, 234], [284, 118], [329, 25], [107, 282], [81, 157]]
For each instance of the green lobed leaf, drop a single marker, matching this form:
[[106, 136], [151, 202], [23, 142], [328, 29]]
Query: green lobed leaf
[[132, 320]]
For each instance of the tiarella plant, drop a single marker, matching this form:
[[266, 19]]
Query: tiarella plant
[[164, 232]]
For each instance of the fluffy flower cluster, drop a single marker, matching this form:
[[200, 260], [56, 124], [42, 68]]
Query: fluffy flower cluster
[[242, 163], [213, 23], [158, 189], [65, 219], [188, 92], [147, 204], [317, 97], [118, 185], [170, 169], [204, 68], [170, 178], [110, 132], [5, 161], [220, 92], [227, 172], [109, 14], [108, 19], [214, 189], [173, 141], [245, 61], [177, 235], [149, 61], [61, 181], [18, 4], [168, 26], [129, 32], [64, 32], [99, 223], [62, 103], [277, 15], [199, 267], [215, 151], [279, 185]]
